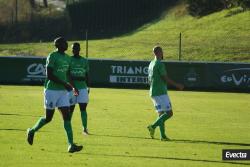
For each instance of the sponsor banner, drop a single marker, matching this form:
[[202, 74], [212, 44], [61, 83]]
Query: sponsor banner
[[128, 79], [239, 77], [35, 72], [134, 74], [229, 76], [128, 74], [22, 70], [109, 73], [192, 75]]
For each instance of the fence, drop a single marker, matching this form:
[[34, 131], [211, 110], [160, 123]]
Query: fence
[[133, 74]]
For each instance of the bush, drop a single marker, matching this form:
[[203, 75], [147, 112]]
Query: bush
[[204, 7], [245, 4]]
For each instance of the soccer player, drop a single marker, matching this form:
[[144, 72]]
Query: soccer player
[[79, 69], [56, 93], [158, 80]]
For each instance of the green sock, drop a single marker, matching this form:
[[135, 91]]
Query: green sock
[[84, 119], [69, 132], [160, 120], [70, 115], [162, 129], [40, 123]]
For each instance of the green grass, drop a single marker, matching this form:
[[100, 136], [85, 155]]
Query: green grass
[[203, 124], [216, 37]]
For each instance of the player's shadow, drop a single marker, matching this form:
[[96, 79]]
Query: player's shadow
[[181, 141], [210, 142], [23, 130], [14, 114], [21, 115], [119, 136], [168, 158], [12, 129]]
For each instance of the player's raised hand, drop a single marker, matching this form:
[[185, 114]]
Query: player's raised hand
[[180, 86], [75, 92]]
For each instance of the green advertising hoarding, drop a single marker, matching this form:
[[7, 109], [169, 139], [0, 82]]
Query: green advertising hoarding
[[22, 70], [192, 75], [229, 76], [211, 76], [133, 74]]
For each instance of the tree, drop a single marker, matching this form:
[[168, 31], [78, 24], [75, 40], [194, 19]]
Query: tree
[[32, 3], [204, 7], [45, 3], [245, 4]]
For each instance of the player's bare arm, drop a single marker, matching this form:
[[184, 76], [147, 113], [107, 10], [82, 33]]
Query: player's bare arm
[[71, 81], [87, 81], [172, 82]]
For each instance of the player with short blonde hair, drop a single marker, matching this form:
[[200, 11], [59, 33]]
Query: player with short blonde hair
[[158, 81]]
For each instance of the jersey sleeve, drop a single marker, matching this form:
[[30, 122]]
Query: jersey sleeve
[[162, 69], [50, 61]]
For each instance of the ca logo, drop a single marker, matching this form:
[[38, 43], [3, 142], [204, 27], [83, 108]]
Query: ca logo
[[36, 69]]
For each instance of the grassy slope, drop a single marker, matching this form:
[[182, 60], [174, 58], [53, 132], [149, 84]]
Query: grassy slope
[[119, 134], [211, 38]]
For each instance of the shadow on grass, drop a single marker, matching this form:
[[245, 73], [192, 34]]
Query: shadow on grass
[[210, 142], [181, 141], [168, 158], [24, 130], [119, 136], [13, 129], [14, 114]]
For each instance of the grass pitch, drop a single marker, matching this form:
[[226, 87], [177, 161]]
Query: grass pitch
[[203, 124]]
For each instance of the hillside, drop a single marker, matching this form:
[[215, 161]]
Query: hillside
[[222, 36]]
